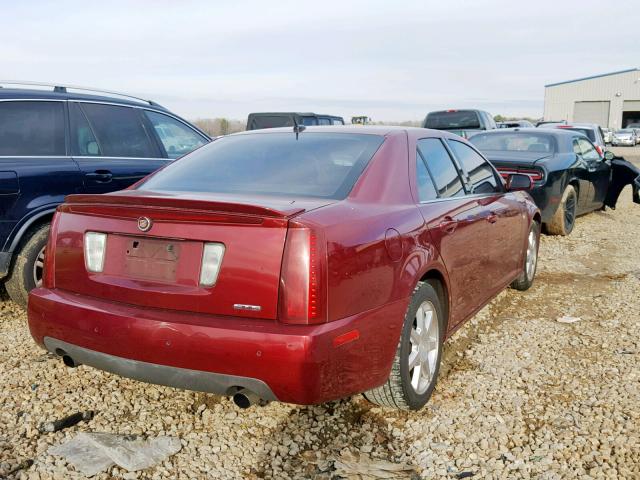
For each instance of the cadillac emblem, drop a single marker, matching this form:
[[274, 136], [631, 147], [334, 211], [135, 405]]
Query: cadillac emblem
[[144, 224]]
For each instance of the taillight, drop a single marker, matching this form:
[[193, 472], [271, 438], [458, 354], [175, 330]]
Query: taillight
[[599, 149], [48, 274], [211, 259], [303, 278], [534, 175]]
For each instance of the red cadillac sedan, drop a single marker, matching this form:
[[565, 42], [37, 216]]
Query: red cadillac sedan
[[298, 265]]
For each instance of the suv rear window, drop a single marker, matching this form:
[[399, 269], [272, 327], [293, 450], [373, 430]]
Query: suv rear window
[[452, 120], [514, 142], [32, 128], [324, 165]]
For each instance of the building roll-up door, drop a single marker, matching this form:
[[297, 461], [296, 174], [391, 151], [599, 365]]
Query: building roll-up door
[[591, 112]]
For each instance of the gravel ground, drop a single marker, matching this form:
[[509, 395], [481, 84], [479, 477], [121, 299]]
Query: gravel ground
[[521, 395]]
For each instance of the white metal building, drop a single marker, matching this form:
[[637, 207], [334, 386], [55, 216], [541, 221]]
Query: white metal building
[[610, 100]]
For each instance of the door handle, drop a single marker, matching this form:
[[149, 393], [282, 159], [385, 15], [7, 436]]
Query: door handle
[[100, 176], [448, 224], [492, 217]]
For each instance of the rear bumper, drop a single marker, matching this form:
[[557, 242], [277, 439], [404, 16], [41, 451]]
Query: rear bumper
[[290, 363]]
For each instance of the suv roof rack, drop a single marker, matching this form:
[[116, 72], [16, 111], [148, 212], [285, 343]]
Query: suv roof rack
[[60, 88]]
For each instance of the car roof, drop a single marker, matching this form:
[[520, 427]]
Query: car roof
[[38, 94], [557, 132], [288, 114], [383, 130]]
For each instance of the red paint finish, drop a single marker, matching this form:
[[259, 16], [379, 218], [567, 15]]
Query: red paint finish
[[319, 270]]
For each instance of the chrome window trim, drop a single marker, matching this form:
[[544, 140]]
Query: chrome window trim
[[471, 195], [87, 156], [35, 156]]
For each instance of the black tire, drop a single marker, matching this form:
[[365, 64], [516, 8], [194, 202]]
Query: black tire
[[564, 219], [398, 391], [525, 280], [22, 278]]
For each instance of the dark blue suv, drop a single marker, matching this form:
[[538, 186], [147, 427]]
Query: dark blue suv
[[53, 143]]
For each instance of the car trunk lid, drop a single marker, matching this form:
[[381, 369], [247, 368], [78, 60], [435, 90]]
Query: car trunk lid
[[155, 244]]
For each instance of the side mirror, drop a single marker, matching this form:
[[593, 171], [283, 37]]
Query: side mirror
[[518, 182], [609, 155]]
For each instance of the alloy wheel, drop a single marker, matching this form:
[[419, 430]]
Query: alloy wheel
[[425, 344], [569, 212], [38, 268], [532, 254]]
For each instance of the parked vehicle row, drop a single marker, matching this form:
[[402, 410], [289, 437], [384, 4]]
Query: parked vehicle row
[[625, 137], [270, 264]]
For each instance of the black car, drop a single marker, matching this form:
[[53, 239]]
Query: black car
[[569, 176], [289, 119], [54, 142]]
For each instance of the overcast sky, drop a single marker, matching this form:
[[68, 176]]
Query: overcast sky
[[389, 60]]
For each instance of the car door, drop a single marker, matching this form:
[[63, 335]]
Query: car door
[[580, 170], [598, 174], [112, 145], [502, 212], [35, 171], [174, 136], [455, 225]]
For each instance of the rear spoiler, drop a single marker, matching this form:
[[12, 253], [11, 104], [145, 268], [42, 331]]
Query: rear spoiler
[[130, 198]]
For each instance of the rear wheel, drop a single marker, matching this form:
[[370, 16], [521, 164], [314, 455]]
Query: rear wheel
[[564, 219], [26, 273], [525, 280], [417, 362]]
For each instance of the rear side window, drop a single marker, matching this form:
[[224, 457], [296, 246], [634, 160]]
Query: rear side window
[[270, 121], [309, 121], [177, 138], [324, 121], [426, 188], [481, 175], [453, 120], [119, 131], [337, 121], [32, 129], [324, 165], [441, 166], [589, 133], [589, 152]]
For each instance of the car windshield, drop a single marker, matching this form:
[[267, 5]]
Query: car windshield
[[324, 165], [624, 131], [589, 133], [452, 120], [514, 142]]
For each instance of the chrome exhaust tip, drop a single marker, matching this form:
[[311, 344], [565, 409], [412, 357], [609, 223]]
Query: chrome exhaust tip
[[244, 398]]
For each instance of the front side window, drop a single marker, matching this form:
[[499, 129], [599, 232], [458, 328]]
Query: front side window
[[83, 141], [441, 166], [324, 165], [119, 131], [32, 128], [177, 138], [481, 175]]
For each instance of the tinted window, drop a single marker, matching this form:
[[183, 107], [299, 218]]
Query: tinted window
[[337, 121], [32, 128], [426, 188], [309, 121], [441, 167], [590, 134], [83, 141], [176, 137], [317, 164], [452, 120], [481, 175], [324, 121], [588, 151], [119, 131], [270, 121], [514, 142]]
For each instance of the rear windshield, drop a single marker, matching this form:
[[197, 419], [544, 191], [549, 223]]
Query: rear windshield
[[324, 165], [585, 131], [270, 121], [514, 142], [452, 120]]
